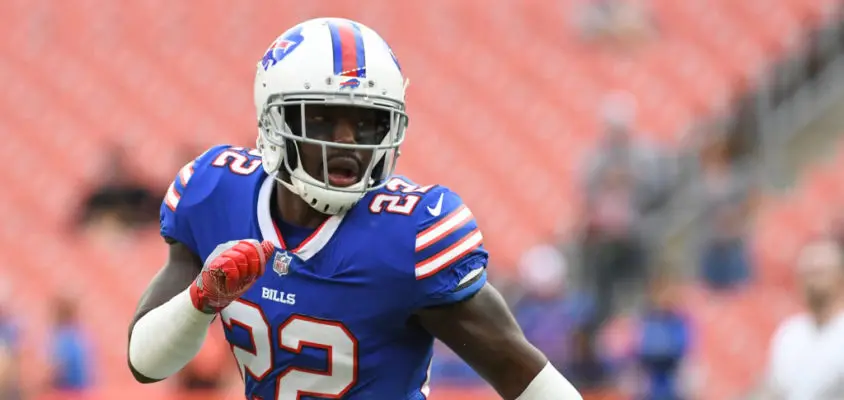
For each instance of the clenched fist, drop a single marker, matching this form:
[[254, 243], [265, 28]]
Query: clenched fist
[[229, 272]]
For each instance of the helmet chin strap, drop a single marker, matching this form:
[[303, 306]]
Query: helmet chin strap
[[321, 199], [289, 187]]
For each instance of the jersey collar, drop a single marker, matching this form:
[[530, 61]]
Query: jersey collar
[[310, 246]]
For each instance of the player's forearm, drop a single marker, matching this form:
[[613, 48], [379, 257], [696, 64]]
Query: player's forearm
[[550, 384], [168, 337]]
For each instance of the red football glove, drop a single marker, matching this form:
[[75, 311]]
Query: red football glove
[[229, 272]]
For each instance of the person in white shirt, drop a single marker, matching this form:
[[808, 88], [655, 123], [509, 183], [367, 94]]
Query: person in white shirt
[[807, 350]]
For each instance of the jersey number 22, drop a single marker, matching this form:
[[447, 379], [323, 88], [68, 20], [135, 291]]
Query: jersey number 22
[[294, 334]]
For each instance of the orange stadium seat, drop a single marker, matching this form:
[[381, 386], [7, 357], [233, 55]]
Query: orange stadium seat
[[503, 106]]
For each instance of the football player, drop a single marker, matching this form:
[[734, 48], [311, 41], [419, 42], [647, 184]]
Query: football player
[[331, 275]]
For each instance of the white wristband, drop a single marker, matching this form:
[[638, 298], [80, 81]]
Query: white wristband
[[168, 337], [550, 384]]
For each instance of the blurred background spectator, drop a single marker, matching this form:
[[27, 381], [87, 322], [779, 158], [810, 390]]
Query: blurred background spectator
[[120, 201], [10, 384], [664, 343], [627, 178], [727, 190], [71, 364], [806, 357], [716, 153], [618, 23], [549, 311]]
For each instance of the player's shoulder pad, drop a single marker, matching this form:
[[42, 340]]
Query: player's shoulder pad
[[201, 186], [199, 178], [438, 238], [446, 233]]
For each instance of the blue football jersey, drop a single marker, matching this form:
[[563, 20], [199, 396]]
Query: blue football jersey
[[329, 319]]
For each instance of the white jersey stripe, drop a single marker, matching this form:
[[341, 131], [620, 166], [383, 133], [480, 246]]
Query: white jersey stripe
[[443, 228], [444, 258], [172, 197], [185, 173]]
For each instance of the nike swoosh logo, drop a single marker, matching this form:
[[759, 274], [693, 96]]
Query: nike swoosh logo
[[437, 209]]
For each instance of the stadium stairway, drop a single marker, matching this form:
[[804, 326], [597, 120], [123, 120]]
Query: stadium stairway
[[734, 329]]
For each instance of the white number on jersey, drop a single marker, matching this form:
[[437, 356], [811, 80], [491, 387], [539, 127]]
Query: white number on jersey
[[404, 202], [295, 334], [237, 161]]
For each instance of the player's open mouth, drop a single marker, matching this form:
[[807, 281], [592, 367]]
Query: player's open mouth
[[343, 171]]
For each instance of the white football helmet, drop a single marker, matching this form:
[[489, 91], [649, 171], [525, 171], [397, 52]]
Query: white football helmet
[[333, 62]]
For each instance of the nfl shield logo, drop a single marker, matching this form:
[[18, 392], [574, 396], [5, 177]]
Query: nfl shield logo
[[281, 263]]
